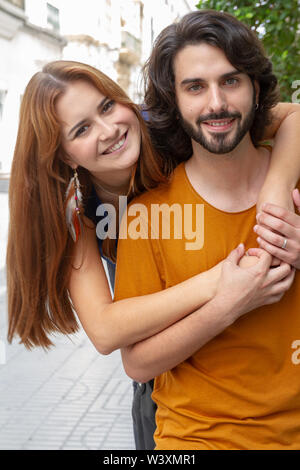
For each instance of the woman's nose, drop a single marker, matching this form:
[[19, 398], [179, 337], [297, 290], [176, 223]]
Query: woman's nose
[[106, 130]]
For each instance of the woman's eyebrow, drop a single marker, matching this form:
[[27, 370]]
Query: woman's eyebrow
[[80, 123], [76, 125]]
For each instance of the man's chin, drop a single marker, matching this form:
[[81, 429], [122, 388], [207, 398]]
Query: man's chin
[[218, 148]]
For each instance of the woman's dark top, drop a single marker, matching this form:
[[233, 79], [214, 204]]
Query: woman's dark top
[[143, 408]]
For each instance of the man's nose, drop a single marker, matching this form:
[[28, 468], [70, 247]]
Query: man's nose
[[217, 100]]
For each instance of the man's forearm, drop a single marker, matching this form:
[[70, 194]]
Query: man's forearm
[[153, 356]]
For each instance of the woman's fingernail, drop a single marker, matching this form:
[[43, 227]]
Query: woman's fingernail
[[255, 228]]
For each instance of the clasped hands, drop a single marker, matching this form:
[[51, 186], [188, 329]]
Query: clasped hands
[[278, 231]]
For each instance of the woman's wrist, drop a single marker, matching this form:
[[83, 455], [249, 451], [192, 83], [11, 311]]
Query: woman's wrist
[[278, 193], [214, 275], [288, 184]]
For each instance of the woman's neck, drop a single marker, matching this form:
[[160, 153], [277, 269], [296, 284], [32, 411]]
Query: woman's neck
[[110, 186]]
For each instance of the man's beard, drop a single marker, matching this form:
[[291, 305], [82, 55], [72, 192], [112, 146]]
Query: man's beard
[[220, 142]]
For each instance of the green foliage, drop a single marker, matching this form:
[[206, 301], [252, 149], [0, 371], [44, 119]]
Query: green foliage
[[277, 25]]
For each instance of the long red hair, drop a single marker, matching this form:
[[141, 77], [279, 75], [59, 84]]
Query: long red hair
[[39, 251]]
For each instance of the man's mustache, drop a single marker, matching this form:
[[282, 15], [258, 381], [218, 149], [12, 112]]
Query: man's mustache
[[214, 116]]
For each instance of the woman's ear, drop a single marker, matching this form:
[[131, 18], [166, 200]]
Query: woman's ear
[[67, 159], [73, 165]]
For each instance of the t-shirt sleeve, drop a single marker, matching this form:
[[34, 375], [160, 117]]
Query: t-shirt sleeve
[[139, 268]]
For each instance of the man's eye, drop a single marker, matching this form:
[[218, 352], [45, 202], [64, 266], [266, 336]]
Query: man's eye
[[108, 105], [231, 81], [195, 87], [81, 130]]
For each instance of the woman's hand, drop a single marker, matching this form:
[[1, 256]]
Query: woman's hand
[[278, 231], [247, 261]]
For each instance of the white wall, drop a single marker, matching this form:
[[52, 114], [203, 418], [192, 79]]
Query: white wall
[[21, 56], [157, 18]]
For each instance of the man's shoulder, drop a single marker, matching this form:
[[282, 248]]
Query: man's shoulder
[[164, 191]]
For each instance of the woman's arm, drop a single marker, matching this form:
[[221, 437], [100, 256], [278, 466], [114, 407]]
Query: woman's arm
[[284, 171], [115, 325], [240, 290]]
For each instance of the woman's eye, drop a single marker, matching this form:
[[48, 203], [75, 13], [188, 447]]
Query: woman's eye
[[108, 105], [81, 131]]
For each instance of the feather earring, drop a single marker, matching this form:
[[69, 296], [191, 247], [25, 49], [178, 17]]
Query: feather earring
[[72, 207]]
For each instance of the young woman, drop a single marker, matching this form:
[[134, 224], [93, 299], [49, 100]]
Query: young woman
[[80, 134]]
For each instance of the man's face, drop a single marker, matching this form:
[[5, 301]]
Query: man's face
[[216, 102]]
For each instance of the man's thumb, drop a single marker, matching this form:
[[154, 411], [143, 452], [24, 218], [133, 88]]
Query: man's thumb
[[236, 254]]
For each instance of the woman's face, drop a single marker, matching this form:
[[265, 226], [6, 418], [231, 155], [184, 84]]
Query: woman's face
[[98, 134]]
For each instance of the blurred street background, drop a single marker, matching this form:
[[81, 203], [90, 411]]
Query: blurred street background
[[68, 398]]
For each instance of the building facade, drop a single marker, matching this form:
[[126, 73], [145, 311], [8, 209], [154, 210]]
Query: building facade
[[24, 48], [115, 36]]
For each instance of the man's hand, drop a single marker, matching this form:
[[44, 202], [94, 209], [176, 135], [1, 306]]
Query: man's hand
[[278, 232], [245, 289]]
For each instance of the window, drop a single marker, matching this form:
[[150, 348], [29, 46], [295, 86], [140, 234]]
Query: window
[[2, 99], [152, 31], [18, 3], [53, 17]]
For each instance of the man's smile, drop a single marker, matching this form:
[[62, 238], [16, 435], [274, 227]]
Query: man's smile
[[219, 125]]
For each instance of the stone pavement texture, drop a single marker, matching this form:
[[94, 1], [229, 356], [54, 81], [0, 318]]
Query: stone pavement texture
[[68, 398]]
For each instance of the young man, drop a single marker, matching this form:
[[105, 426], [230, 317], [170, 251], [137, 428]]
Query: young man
[[224, 380]]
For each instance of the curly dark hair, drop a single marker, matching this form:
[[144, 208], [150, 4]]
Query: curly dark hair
[[242, 49]]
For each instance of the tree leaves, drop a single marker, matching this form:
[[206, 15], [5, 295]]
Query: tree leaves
[[277, 25]]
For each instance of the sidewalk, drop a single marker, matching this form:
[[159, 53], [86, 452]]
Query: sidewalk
[[68, 398]]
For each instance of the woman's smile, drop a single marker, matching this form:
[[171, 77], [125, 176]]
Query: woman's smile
[[117, 145]]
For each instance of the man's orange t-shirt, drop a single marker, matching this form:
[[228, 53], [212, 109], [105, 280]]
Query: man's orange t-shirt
[[242, 389]]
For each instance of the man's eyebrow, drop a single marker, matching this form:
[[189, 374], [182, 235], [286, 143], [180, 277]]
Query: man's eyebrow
[[188, 81], [80, 123], [233, 72]]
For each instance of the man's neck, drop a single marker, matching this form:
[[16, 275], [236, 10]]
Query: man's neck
[[230, 182]]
